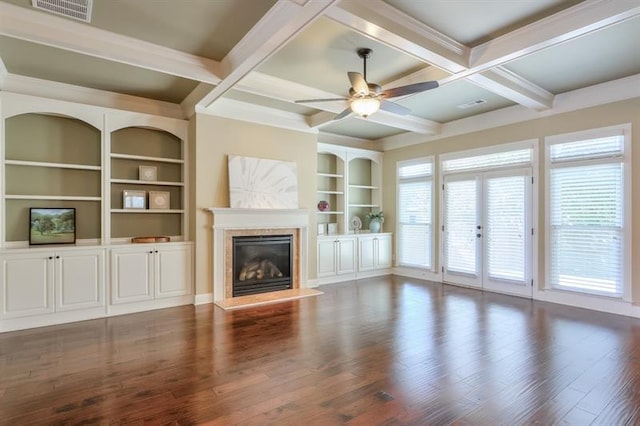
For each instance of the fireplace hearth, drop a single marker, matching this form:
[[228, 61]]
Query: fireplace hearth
[[261, 263], [230, 223]]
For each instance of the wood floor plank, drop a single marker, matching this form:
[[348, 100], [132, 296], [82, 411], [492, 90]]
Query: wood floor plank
[[383, 351]]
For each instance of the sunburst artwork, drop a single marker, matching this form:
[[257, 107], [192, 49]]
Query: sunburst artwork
[[259, 183]]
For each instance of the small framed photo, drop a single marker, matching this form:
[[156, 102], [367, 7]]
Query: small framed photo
[[134, 199], [149, 173], [52, 226], [332, 228], [159, 200]]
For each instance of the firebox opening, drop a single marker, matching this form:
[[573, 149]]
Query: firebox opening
[[262, 263]]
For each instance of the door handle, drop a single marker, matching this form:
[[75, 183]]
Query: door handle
[[479, 235]]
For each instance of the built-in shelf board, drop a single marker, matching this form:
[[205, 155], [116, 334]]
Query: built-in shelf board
[[331, 175], [330, 212], [330, 192], [147, 158], [51, 165], [147, 211], [52, 197], [147, 182], [364, 205], [363, 186]]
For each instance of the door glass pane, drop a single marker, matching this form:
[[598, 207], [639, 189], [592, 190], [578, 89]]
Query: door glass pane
[[460, 226], [505, 234]]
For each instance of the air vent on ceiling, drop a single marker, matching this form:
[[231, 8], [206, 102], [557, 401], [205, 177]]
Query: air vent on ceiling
[[76, 9], [472, 104]]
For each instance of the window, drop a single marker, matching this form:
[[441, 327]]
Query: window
[[415, 233], [586, 207]]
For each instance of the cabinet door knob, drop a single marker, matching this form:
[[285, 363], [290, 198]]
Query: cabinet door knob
[[57, 257], [151, 252], [50, 257], [156, 251]]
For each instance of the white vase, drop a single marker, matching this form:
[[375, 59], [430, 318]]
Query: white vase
[[375, 225]]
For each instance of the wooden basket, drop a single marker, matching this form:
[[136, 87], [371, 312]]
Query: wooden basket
[[150, 239]]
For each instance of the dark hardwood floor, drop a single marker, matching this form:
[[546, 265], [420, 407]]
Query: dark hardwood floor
[[388, 351]]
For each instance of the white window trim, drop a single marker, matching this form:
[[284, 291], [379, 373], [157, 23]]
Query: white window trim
[[401, 163], [618, 130]]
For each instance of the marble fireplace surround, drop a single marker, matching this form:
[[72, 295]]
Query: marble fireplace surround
[[230, 222]]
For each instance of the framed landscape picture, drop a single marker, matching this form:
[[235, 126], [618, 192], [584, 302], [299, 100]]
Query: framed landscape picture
[[52, 225]]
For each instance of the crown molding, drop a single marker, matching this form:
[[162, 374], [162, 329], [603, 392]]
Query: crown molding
[[348, 141], [82, 95], [599, 94]]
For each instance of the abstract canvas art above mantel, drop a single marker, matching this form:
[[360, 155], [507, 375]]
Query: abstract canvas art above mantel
[[259, 183]]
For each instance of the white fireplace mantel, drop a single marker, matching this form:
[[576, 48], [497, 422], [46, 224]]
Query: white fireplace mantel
[[225, 219]]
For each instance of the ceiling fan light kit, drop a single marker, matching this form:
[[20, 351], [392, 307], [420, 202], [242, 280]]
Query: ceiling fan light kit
[[364, 107], [367, 98]]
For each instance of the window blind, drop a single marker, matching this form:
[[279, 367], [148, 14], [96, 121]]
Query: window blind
[[414, 214], [460, 226], [586, 215], [509, 158], [505, 235]]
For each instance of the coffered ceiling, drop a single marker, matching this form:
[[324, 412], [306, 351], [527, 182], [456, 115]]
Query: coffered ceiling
[[252, 59]]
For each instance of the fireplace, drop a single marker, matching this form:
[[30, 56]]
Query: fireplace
[[261, 263], [255, 226]]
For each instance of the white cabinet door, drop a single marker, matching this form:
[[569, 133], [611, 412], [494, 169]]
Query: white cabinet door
[[383, 251], [79, 279], [366, 253], [326, 257], [173, 270], [132, 274], [26, 284], [346, 255]]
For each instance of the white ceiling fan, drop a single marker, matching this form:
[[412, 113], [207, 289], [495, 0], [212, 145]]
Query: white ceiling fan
[[366, 98]]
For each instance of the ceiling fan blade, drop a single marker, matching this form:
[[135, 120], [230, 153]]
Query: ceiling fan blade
[[343, 114], [358, 83], [409, 89], [394, 108], [321, 100]]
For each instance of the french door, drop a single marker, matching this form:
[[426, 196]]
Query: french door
[[487, 230]]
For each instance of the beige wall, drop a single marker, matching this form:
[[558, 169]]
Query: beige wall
[[215, 139], [601, 116]]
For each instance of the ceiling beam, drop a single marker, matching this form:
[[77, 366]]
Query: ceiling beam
[[388, 25], [511, 86], [278, 26], [569, 24], [37, 27], [392, 27]]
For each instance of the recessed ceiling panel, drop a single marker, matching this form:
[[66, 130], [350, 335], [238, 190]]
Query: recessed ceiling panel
[[357, 128], [48, 63], [321, 56], [472, 22], [441, 104], [269, 102], [208, 28], [605, 55]]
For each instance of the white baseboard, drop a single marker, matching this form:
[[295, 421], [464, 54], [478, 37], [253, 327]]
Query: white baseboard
[[585, 301], [149, 305], [421, 274], [312, 283], [54, 318], [203, 299]]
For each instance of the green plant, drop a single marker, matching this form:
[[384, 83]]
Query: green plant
[[376, 215]]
